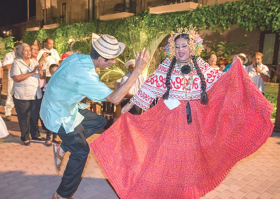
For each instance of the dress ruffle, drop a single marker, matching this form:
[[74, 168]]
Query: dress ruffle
[[158, 155]]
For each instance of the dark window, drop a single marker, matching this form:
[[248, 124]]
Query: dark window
[[269, 46], [63, 13], [64, 9], [32, 8], [45, 15]]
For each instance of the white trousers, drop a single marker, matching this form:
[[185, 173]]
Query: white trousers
[[9, 102]]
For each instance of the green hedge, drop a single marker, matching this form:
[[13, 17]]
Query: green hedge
[[8, 46], [248, 14]]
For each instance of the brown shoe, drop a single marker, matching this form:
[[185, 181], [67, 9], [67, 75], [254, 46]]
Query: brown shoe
[[56, 196], [56, 140], [48, 143]]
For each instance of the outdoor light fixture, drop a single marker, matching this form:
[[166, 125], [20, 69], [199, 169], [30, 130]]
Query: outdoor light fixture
[[4, 32]]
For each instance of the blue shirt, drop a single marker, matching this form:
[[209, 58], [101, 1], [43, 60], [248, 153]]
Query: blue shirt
[[74, 80]]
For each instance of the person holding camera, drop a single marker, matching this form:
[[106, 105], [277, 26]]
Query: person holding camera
[[258, 72], [53, 56]]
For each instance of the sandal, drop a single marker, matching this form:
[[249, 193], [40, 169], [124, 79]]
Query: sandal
[[26, 143], [56, 140], [58, 156], [48, 143], [39, 139], [56, 196]]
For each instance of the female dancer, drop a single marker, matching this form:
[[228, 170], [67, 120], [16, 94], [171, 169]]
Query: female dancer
[[185, 145]]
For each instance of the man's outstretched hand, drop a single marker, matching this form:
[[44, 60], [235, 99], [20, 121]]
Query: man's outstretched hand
[[141, 60]]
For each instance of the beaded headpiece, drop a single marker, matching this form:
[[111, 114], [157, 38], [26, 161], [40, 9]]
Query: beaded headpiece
[[195, 41]]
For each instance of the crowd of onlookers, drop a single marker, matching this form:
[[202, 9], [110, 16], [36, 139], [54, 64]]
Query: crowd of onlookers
[[257, 70], [29, 70]]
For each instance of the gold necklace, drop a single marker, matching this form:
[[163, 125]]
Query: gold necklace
[[188, 86], [181, 64]]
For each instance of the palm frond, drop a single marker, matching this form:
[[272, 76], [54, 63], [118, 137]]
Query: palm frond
[[152, 48], [105, 75]]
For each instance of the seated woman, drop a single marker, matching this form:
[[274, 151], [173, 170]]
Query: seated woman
[[204, 123]]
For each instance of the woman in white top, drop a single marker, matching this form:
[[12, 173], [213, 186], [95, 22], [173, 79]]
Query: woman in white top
[[27, 94]]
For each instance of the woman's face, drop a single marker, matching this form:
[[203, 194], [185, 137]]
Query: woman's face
[[26, 53], [213, 60], [182, 50]]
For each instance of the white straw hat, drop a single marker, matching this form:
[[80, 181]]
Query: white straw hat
[[107, 46], [243, 55], [129, 62]]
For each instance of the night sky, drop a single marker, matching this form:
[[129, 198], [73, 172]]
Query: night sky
[[15, 11]]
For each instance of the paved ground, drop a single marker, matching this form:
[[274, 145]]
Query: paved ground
[[29, 173]]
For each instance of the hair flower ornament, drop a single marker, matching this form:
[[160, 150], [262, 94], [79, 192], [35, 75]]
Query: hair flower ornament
[[195, 42]]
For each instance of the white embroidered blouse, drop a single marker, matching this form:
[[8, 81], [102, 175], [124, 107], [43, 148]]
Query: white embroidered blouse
[[155, 85]]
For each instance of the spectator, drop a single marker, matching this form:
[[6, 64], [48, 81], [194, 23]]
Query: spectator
[[27, 94], [213, 61], [34, 55], [243, 59], [7, 64], [34, 51], [67, 54], [42, 84], [222, 62], [258, 71], [55, 139], [53, 57], [135, 110]]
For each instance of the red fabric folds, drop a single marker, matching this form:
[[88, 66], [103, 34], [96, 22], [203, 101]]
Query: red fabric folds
[[158, 155]]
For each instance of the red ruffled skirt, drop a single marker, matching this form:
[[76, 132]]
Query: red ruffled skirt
[[158, 155]]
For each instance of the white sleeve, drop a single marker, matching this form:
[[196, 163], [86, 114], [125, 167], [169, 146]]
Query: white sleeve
[[265, 71], [41, 52], [15, 70], [123, 80], [57, 57], [8, 59]]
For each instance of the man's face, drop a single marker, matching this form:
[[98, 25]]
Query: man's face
[[257, 60], [49, 44], [105, 63], [34, 51], [242, 59]]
